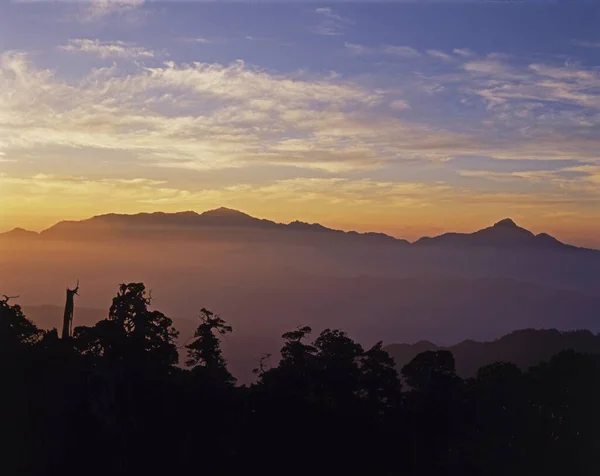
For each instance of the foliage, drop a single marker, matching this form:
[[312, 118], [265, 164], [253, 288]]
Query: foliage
[[204, 352], [15, 329], [132, 333], [113, 401]]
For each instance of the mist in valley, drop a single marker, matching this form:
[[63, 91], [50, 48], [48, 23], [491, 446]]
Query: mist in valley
[[265, 283]]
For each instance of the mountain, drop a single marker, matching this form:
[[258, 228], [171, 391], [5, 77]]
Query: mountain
[[221, 223], [225, 223], [505, 233], [19, 234], [525, 348]]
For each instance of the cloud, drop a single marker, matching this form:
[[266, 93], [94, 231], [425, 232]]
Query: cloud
[[143, 193], [500, 84], [203, 40], [402, 51], [464, 52], [89, 192], [210, 116], [490, 67], [399, 104], [391, 50], [331, 23], [440, 55], [586, 44], [107, 49], [565, 185], [340, 190], [357, 49], [98, 9]]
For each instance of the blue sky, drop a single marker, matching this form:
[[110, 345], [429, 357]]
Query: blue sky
[[411, 118]]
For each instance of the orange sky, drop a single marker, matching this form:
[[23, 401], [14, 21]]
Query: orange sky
[[103, 110]]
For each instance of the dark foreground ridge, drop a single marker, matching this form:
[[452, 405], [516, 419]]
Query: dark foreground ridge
[[110, 398], [524, 348], [505, 234]]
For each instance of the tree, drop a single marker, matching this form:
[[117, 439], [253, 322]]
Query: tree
[[15, 329], [204, 352], [430, 369], [132, 333], [380, 384], [294, 351], [337, 359]]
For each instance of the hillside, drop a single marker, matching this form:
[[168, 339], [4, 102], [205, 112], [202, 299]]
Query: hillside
[[525, 348]]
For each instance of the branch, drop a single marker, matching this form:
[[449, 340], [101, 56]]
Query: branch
[[261, 365], [8, 298]]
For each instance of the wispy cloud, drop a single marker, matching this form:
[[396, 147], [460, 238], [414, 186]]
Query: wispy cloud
[[143, 193], [402, 51], [499, 83], [202, 40], [107, 49], [487, 66], [586, 44], [98, 9], [331, 23], [399, 104], [391, 50], [465, 52], [440, 55], [214, 116]]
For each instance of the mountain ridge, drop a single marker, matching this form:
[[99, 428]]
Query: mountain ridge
[[504, 233], [524, 348]]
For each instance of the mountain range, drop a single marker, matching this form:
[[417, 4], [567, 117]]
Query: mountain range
[[267, 278], [505, 233], [524, 348]]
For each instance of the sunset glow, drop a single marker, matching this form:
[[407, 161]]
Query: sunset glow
[[338, 114]]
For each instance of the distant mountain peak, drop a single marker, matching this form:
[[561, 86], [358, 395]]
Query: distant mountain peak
[[19, 233], [505, 233], [506, 229], [224, 212], [506, 223]]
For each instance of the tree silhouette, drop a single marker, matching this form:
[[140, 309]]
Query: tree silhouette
[[114, 396], [204, 352], [429, 370], [380, 384], [15, 329], [132, 332]]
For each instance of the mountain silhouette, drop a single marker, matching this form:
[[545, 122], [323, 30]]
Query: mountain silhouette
[[19, 233], [524, 348], [504, 234], [190, 224]]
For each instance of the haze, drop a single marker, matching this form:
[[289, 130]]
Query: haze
[[268, 277]]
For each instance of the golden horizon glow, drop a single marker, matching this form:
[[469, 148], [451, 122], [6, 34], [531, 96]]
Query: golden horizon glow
[[404, 139]]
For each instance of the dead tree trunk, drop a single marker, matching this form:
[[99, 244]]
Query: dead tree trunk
[[69, 307]]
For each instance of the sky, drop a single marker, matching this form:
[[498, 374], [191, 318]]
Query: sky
[[410, 118]]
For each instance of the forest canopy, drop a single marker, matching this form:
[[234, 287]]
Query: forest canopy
[[113, 399]]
